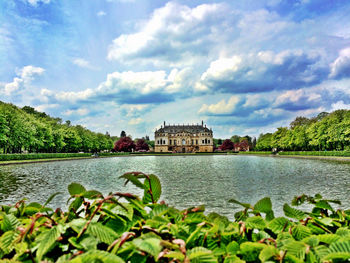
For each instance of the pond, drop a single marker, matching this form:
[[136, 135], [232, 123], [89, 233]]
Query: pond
[[187, 181]]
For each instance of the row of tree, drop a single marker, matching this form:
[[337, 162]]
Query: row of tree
[[326, 131], [31, 131]]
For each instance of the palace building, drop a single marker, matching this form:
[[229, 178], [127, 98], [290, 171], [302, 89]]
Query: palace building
[[184, 138]]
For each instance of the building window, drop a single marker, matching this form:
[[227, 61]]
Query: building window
[[205, 141], [196, 141], [202, 141], [158, 142], [174, 142], [183, 141], [192, 142], [208, 141], [169, 142], [164, 142]]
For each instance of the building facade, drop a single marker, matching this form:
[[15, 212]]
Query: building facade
[[184, 138]]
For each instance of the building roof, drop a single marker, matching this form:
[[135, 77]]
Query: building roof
[[183, 128]]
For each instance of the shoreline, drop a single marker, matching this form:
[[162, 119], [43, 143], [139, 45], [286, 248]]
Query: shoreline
[[330, 158]]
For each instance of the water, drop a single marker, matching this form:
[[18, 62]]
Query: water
[[186, 180]]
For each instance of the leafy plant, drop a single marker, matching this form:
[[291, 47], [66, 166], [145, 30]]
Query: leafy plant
[[121, 227]]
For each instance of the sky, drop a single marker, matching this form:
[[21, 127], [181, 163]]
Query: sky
[[244, 67]]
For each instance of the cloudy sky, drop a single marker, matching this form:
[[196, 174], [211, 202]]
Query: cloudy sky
[[243, 66]]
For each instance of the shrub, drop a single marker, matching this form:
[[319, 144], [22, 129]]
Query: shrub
[[121, 227]]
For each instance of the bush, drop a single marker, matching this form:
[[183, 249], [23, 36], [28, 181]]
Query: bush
[[318, 153], [121, 227]]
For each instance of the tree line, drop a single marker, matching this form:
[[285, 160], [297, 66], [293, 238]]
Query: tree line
[[325, 132], [27, 130]]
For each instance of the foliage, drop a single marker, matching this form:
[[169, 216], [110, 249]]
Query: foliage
[[141, 145], [121, 227], [35, 156], [318, 153], [124, 144], [227, 145], [325, 132], [31, 131]]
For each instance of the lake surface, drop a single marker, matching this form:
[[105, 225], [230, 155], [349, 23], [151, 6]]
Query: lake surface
[[186, 180]]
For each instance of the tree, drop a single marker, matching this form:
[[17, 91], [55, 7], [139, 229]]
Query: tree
[[235, 138], [243, 145], [123, 134], [226, 145], [141, 145], [124, 144]]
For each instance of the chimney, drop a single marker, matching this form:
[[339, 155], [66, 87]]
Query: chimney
[[164, 123]]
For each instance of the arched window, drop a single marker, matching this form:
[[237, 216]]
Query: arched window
[[183, 141], [208, 141], [169, 142], [163, 141], [158, 142]]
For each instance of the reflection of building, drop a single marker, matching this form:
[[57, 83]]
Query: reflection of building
[[183, 138]]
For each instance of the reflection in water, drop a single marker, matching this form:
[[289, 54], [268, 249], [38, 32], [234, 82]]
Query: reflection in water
[[186, 180]]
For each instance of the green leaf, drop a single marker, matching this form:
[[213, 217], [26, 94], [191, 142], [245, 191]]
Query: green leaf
[[176, 255], [279, 224], [76, 204], [7, 241], [300, 232], [97, 256], [263, 205], [103, 233], [152, 189], [76, 189], [246, 205], [233, 259], [343, 232], [202, 255], [250, 251], [340, 246], [127, 210], [77, 224], [50, 198], [151, 245], [267, 253], [296, 248], [324, 205], [47, 240], [255, 222], [232, 248], [133, 179], [293, 213], [92, 194], [9, 222], [328, 238]]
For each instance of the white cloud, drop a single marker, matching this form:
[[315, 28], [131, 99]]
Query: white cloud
[[129, 88], [340, 68], [101, 13], [45, 107], [80, 112], [35, 2], [83, 63], [340, 105], [262, 71], [173, 34], [222, 68], [220, 108], [24, 77]]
